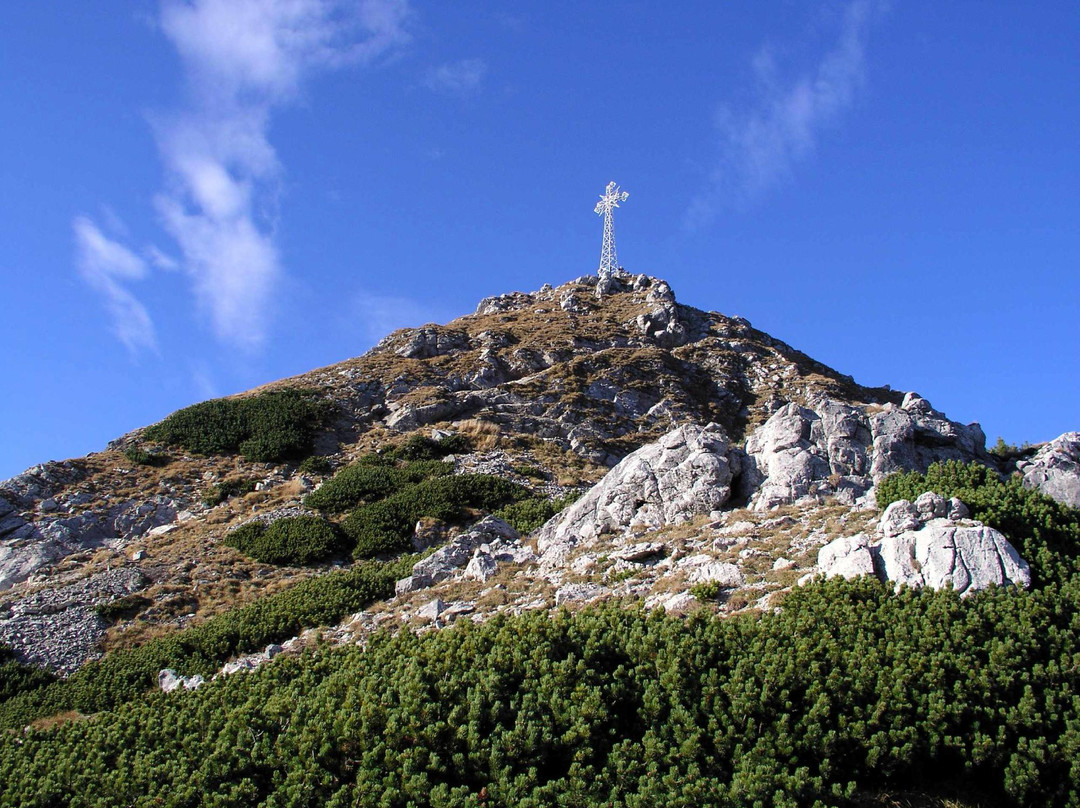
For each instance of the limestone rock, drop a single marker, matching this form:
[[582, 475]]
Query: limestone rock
[[957, 510], [481, 567], [686, 473], [169, 680], [900, 517], [848, 557], [584, 593], [680, 603], [726, 575], [454, 555], [639, 552], [933, 551], [1055, 469], [431, 610], [58, 628], [966, 557], [835, 449]]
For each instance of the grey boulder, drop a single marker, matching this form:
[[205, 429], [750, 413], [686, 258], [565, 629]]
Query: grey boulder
[[1055, 469], [688, 472]]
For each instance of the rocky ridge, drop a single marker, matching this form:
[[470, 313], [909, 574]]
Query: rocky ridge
[[724, 460]]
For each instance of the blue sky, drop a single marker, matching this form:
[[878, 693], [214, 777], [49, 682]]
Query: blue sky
[[199, 197]]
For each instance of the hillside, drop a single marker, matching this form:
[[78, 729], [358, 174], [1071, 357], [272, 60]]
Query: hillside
[[595, 447]]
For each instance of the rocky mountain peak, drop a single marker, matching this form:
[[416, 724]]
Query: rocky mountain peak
[[652, 413]]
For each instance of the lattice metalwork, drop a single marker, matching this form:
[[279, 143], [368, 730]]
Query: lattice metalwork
[[609, 200]]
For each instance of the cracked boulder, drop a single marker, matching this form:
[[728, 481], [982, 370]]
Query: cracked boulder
[[686, 473], [916, 549], [836, 449], [1055, 469]]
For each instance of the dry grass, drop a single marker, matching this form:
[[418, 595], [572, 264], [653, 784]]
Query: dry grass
[[483, 435]]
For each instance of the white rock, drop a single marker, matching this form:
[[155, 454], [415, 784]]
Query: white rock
[[684, 474], [639, 552], [899, 517], [931, 506], [726, 575], [1055, 469], [966, 557], [168, 680], [782, 564], [585, 593], [680, 603], [431, 610], [481, 567], [848, 557]]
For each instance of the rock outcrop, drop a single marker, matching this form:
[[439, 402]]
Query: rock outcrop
[[59, 629], [688, 472], [831, 448], [928, 543], [1055, 469], [476, 553], [27, 544]]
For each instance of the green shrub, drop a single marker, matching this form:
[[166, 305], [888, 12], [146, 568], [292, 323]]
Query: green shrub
[[294, 540], [16, 677], [125, 675], [848, 692], [529, 470], [227, 489], [142, 457], [706, 592], [529, 514], [385, 526], [122, 608], [315, 464], [266, 427], [421, 447], [370, 480]]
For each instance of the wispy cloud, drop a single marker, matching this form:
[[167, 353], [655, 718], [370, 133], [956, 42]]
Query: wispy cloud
[[381, 314], [243, 58], [108, 266], [762, 142], [460, 78]]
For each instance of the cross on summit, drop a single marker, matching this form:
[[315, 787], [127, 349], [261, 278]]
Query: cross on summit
[[609, 200]]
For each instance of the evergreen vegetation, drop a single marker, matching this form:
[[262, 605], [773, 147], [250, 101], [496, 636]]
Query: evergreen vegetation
[[386, 525], [420, 447], [294, 540], [267, 427], [142, 457], [125, 675], [528, 514], [227, 489], [15, 677], [850, 688], [370, 479]]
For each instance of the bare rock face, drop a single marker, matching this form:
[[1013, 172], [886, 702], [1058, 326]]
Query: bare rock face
[[488, 542], [918, 547], [686, 473], [1055, 469], [849, 557], [28, 544], [837, 449], [59, 628], [966, 557]]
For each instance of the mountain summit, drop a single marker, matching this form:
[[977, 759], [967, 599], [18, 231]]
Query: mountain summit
[[594, 447]]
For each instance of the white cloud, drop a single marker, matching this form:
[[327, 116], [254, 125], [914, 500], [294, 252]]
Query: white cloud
[[241, 59], [381, 314], [106, 265], [460, 77], [762, 142]]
